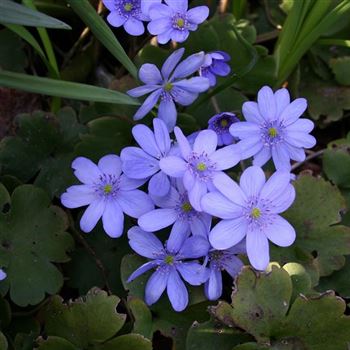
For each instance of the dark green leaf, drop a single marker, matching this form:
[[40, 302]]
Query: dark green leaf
[[127, 342]]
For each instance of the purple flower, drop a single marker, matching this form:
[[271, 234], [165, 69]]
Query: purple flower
[[220, 260], [273, 128], [129, 13], [3, 274], [169, 263], [143, 163], [174, 22], [215, 64], [251, 210], [176, 210], [107, 192], [169, 85], [199, 164], [221, 123]]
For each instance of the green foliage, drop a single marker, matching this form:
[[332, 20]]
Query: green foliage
[[32, 236]]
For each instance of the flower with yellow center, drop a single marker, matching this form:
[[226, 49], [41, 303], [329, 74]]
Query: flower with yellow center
[[272, 132], [128, 6], [223, 122], [201, 166], [169, 259], [180, 22], [168, 87], [186, 207], [107, 189], [255, 213]]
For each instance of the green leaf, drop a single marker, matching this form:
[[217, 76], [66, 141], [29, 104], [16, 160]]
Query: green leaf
[[341, 69], [32, 236], [102, 32], [213, 335], [3, 342], [55, 343], [142, 316], [13, 13], [86, 321], [315, 215], [261, 306], [127, 342], [5, 313], [60, 88]]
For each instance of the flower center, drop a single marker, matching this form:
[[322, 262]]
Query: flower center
[[255, 213], [180, 22], [128, 6], [201, 166], [107, 189], [186, 207], [273, 132], [168, 87], [169, 259], [223, 123]]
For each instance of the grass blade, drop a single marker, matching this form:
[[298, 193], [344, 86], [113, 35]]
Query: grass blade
[[102, 32], [66, 89]]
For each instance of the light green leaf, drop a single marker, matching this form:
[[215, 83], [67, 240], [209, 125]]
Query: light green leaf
[[341, 69], [102, 32], [52, 87], [86, 321], [127, 342], [13, 13], [33, 238], [55, 343]]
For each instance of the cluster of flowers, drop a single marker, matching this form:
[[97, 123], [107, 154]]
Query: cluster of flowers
[[188, 187], [169, 21]]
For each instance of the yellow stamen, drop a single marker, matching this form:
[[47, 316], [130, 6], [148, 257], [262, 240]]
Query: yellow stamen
[[128, 6], [186, 207], [224, 122], [273, 132], [180, 23], [201, 166], [107, 189], [255, 213], [169, 260], [168, 86]]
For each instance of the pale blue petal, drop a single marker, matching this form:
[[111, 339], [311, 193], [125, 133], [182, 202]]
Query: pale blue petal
[[78, 196], [145, 138], [111, 165], [280, 232], [173, 166], [142, 90], [177, 291], [258, 249], [161, 135], [252, 181], [193, 273], [196, 193], [134, 27], [148, 104], [262, 156], [226, 157], [155, 286], [157, 219], [126, 183], [213, 287], [171, 62], [167, 112], [244, 130], [159, 184], [281, 157], [150, 74], [85, 170], [194, 247], [115, 20], [183, 143], [293, 111], [275, 186], [198, 14], [282, 99], [195, 84], [113, 219], [134, 203], [251, 112], [206, 142], [179, 232], [189, 66], [91, 215], [178, 5], [141, 270], [267, 103]]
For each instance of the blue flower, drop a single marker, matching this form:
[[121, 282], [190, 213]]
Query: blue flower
[[129, 13], [143, 163], [220, 260], [221, 123], [170, 263], [174, 22], [215, 64], [108, 194], [199, 164], [169, 85], [3, 274], [175, 209], [251, 210], [273, 128]]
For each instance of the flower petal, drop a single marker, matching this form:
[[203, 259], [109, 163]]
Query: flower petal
[[262, 156], [3, 274], [195, 84], [91, 215], [157, 219], [280, 232], [159, 184], [258, 249], [281, 157], [134, 203], [216, 204], [142, 90], [193, 273], [171, 62], [282, 99], [226, 157], [145, 138], [150, 74], [113, 219], [194, 247], [148, 104], [227, 233], [168, 201], [141, 270], [213, 287], [252, 181], [189, 66], [111, 165], [85, 170], [250, 146], [159, 25], [251, 112], [178, 5], [229, 188], [301, 125], [161, 135], [232, 265], [173, 166], [183, 143], [267, 103], [127, 184], [144, 243], [206, 142], [115, 20], [134, 27], [300, 139], [198, 14], [293, 111], [199, 227], [244, 130], [155, 286], [179, 232], [296, 153], [167, 112], [160, 11], [183, 97], [196, 193], [177, 291], [78, 196]]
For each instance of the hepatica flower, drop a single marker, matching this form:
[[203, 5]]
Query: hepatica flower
[[3, 274], [143, 162], [220, 260], [108, 194], [220, 123], [199, 164], [170, 263], [215, 64], [251, 210], [176, 210], [274, 129], [174, 21], [170, 85], [129, 13]]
